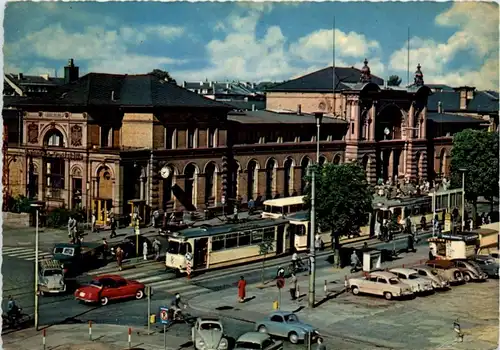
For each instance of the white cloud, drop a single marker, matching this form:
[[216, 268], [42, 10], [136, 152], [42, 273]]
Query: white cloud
[[103, 50], [243, 55], [477, 34]]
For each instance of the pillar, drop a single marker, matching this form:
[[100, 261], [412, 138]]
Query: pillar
[[411, 121], [423, 124], [67, 186], [373, 112]]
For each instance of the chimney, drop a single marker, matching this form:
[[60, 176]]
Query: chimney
[[440, 107], [71, 72], [20, 76], [299, 109], [201, 83]]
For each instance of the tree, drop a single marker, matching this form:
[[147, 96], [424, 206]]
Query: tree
[[393, 80], [476, 151], [162, 75], [343, 197], [266, 246]]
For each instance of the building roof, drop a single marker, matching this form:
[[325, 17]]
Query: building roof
[[269, 117], [225, 88], [97, 89], [452, 118], [440, 87], [482, 102], [322, 80], [247, 105], [22, 80]]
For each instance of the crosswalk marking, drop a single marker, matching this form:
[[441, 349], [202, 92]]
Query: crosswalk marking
[[25, 253]]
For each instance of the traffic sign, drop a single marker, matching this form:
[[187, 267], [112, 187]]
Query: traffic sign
[[280, 282], [223, 199], [188, 256], [164, 319], [280, 272]]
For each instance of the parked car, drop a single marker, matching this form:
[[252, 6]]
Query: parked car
[[51, 277], [286, 324], [470, 270], [208, 334], [109, 287], [128, 246], [381, 283], [487, 264], [78, 258], [413, 279], [447, 270], [438, 282], [489, 252], [257, 341]]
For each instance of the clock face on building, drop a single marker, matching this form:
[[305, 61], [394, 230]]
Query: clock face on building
[[165, 172]]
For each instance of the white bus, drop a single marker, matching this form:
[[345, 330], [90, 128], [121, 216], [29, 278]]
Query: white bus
[[282, 207], [209, 247]]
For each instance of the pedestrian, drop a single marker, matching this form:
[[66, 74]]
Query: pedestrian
[[119, 257], [94, 221], [242, 284], [154, 218], [145, 250], [71, 226], [431, 254], [105, 249], [411, 246], [354, 261], [365, 246], [423, 223], [113, 227], [377, 229], [321, 346], [157, 248], [293, 287], [318, 243]]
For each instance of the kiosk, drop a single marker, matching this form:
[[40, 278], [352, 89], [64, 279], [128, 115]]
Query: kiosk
[[371, 260]]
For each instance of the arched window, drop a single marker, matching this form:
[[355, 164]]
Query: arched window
[[288, 177], [209, 182], [304, 166], [190, 174], [252, 178], [54, 138], [270, 178]]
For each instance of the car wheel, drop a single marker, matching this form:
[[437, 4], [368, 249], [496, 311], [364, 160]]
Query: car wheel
[[388, 296], [355, 290], [293, 337], [467, 277], [139, 294], [458, 276], [104, 301], [262, 329]]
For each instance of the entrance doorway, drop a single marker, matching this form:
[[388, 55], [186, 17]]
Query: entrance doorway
[[102, 207]]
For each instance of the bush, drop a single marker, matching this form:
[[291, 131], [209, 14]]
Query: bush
[[19, 204], [59, 216]]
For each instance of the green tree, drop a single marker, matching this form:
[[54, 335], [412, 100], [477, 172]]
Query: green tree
[[343, 197], [162, 75], [394, 80], [476, 151], [265, 247]]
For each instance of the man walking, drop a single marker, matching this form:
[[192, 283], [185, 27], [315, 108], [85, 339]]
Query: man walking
[[145, 250], [242, 284], [157, 248], [354, 261], [119, 257], [112, 224], [293, 287]]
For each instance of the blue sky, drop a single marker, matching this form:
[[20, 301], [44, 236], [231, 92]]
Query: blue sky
[[456, 43]]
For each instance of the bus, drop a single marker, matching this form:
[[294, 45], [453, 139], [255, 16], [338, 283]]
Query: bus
[[282, 207], [209, 247]]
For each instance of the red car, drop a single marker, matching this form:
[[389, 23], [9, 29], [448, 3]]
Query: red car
[[109, 287]]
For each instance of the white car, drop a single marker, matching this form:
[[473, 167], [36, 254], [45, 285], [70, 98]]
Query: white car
[[413, 279], [438, 282], [382, 283], [208, 334]]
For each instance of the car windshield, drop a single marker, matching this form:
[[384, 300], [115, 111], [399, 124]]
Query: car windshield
[[291, 318], [495, 255], [413, 276], [64, 251], [247, 345], [207, 326], [393, 281], [52, 272]]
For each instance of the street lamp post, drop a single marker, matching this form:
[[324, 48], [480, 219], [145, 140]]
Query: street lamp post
[[463, 171], [312, 277], [37, 208]]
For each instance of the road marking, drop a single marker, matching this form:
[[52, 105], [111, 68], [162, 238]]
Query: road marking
[[15, 249], [40, 257], [152, 279], [168, 283]]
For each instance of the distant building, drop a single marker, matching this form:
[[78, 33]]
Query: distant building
[[243, 96]]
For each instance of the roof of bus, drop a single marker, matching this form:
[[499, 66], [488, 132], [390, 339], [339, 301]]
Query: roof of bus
[[204, 231], [285, 201]]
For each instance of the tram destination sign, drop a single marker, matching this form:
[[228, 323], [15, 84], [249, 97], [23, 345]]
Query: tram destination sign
[[55, 154]]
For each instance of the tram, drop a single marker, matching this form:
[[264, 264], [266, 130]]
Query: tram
[[209, 247]]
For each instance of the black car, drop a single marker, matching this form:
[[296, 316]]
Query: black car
[[128, 246]]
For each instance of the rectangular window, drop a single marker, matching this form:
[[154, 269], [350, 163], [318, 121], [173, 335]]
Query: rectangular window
[[211, 138], [170, 138], [217, 243], [190, 138], [352, 128], [269, 233], [244, 239], [257, 236], [231, 240]]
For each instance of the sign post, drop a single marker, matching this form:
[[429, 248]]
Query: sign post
[[280, 283], [223, 201], [164, 319], [148, 290]]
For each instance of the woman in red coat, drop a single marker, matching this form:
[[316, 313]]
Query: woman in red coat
[[241, 289]]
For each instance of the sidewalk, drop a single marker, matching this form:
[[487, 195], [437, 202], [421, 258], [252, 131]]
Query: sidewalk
[[105, 337], [260, 298]]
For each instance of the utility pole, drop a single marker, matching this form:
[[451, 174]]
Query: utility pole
[[312, 272]]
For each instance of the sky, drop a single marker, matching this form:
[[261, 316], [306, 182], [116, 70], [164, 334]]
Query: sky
[[455, 43]]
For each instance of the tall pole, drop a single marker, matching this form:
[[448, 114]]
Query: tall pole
[[333, 71], [408, 60], [463, 201], [433, 212], [36, 271], [312, 275]]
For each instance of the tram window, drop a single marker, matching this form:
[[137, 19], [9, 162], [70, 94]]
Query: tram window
[[257, 236], [217, 243], [453, 200], [244, 238], [269, 233], [276, 210], [231, 240], [173, 247], [185, 248]]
